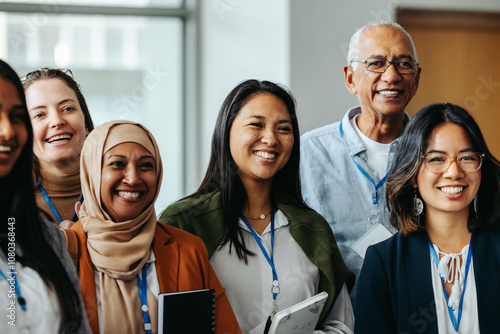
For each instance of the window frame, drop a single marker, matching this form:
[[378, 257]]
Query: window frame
[[188, 13]]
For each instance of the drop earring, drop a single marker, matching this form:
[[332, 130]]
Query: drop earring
[[475, 204], [418, 205]]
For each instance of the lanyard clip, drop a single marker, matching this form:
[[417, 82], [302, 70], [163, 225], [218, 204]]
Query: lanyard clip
[[275, 288], [374, 196]]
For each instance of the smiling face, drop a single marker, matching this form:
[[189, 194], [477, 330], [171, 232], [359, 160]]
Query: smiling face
[[261, 138], [388, 93], [128, 181], [454, 189], [58, 123], [13, 132]]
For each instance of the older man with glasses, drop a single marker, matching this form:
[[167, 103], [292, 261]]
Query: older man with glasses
[[344, 165]]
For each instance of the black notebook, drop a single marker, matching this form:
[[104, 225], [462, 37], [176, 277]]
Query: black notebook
[[186, 312]]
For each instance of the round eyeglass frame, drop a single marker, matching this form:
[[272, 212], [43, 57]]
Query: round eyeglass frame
[[456, 160]]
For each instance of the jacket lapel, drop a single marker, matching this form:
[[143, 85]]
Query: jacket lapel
[[422, 308], [87, 280], [166, 250], [486, 260]]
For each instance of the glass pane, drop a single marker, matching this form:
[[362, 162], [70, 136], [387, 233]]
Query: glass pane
[[107, 3], [128, 68]]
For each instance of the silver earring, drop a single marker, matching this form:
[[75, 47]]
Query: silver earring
[[418, 205], [475, 204]]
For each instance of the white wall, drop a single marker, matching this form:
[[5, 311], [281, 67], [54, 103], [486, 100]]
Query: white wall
[[240, 40], [319, 38]]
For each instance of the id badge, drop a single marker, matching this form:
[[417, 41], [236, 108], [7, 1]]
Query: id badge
[[374, 235]]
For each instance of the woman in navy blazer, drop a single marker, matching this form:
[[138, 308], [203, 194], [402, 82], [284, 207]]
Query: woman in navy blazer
[[441, 272]]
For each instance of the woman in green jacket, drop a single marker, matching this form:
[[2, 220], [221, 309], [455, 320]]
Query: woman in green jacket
[[269, 250]]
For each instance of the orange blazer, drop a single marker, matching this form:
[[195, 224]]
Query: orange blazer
[[181, 264]]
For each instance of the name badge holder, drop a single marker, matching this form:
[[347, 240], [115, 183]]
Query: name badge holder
[[143, 295], [373, 219], [275, 287]]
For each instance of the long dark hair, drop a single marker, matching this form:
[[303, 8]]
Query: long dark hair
[[222, 171], [408, 159], [17, 200], [66, 76]]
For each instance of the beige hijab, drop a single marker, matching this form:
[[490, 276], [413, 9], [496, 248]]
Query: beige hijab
[[118, 250]]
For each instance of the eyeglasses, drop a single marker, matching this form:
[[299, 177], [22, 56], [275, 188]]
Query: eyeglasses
[[378, 65], [438, 163], [50, 72]]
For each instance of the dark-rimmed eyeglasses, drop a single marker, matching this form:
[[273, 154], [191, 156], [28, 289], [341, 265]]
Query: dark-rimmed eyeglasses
[[378, 65], [438, 163]]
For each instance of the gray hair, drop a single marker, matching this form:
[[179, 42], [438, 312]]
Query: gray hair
[[354, 43]]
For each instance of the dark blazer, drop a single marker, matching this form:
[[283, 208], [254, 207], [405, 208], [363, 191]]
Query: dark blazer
[[395, 292]]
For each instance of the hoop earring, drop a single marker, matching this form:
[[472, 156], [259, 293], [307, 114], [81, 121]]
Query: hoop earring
[[418, 205]]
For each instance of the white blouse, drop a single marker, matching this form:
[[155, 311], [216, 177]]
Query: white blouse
[[43, 313], [248, 287], [469, 322]]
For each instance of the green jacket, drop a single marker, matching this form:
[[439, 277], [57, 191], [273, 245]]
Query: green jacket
[[203, 216]]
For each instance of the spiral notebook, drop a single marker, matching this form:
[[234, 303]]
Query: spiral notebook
[[186, 312]]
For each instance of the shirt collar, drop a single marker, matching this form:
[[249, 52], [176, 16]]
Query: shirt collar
[[152, 257], [352, 141]]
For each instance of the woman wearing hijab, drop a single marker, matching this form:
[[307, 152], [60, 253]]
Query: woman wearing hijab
[[121, 243], [39, 286]]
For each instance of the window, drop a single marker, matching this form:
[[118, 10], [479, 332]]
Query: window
[[128, 61], [104, 3]]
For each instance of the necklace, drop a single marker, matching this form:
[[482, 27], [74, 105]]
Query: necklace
[[262, 216]]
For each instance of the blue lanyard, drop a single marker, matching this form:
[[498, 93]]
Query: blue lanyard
[[455, 323], [275, 290], [376, 186], [20, 298], [49, 202], [142, 284]]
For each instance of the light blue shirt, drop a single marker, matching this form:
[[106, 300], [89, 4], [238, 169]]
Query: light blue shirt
[[334, 187]]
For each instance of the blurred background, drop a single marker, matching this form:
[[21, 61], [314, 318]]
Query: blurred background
[[170, 63]]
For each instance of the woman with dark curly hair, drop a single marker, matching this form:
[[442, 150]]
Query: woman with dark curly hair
[[440, 273]]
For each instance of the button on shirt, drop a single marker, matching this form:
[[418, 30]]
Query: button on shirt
[[334, 187]]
